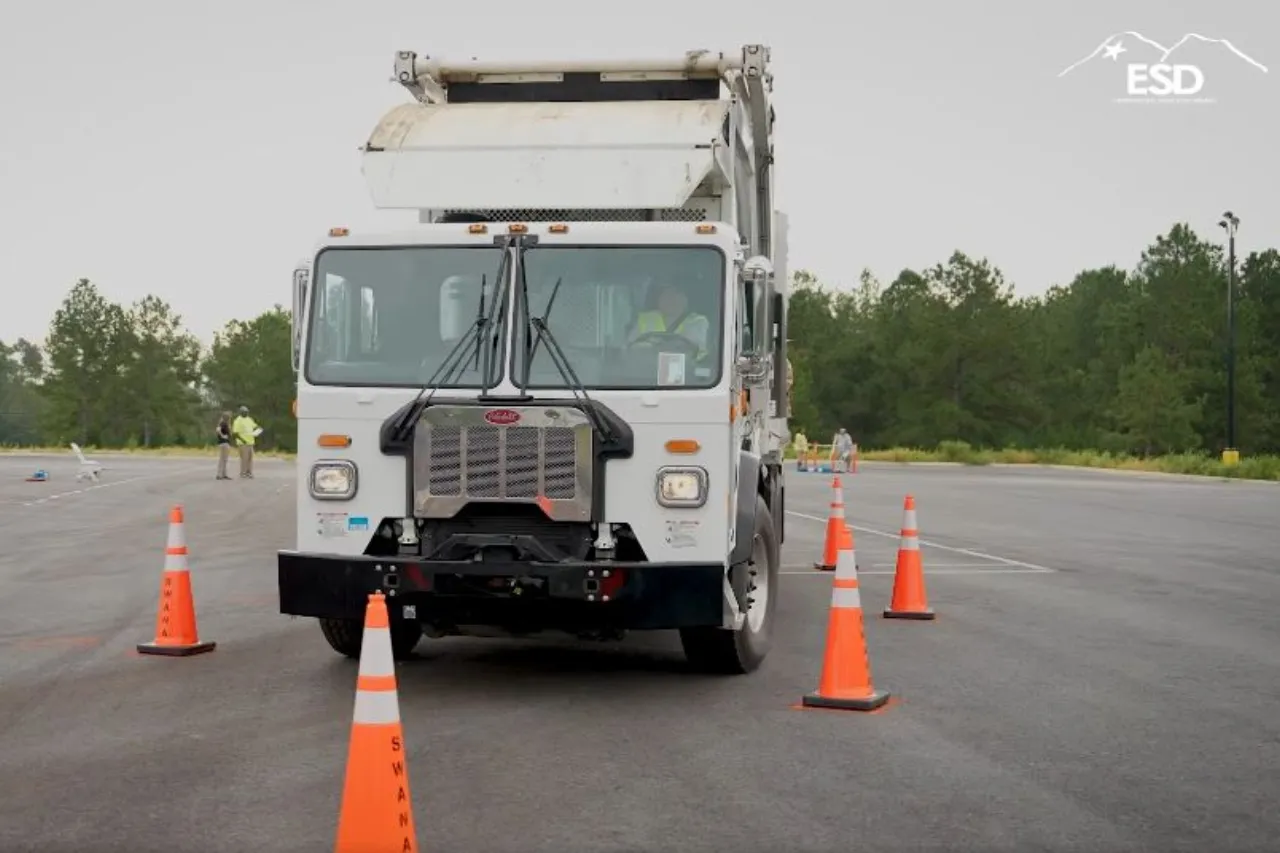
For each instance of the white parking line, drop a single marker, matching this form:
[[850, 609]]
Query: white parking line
[[1005, 570], [933, 565], [49, 498], [1031, 568]]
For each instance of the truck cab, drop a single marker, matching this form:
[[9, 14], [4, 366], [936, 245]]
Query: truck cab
[[558, 402]]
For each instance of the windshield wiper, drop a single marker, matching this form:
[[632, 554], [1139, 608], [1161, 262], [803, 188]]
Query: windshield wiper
[[558, 358], [456, 359], [497, 313], [531, 350]]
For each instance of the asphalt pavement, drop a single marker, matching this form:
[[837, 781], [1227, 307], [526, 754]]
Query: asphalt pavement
[[1103, 675]]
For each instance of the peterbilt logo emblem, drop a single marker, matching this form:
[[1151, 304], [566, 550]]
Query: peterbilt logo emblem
[[502, 417]]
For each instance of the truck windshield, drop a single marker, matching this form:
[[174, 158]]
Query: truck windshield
[[626, 317], [390, 315]]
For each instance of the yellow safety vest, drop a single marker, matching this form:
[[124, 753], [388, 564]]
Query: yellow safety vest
[[653, 321], [242, 428]]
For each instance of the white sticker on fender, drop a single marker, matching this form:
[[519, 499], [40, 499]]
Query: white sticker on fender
[[330, 524], [683, 533]]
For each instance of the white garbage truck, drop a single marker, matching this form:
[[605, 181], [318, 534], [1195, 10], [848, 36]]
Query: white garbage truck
[[558, 401]]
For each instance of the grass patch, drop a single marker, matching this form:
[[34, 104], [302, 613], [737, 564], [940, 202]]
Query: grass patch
[[959, 452], [175, 452]]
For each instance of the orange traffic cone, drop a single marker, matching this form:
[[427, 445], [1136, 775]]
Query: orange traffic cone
[[838, 533], [909, 600], [176, 633], [846, 667], [377, 813]]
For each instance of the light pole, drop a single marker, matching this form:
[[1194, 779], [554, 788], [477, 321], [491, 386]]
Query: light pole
[[1229, 223]]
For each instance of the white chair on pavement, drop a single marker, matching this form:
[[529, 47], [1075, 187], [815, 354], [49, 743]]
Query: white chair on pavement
[[89, 469]]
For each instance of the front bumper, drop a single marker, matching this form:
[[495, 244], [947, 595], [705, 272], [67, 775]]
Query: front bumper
[[560, 596]]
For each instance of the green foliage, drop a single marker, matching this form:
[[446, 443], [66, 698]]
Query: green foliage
[[1265, 467], [116, 377], [21, 368], [1129, 364], [1153, 405], [249, 366], [944, 363]]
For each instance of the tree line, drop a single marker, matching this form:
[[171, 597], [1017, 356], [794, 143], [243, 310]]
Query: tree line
[[109, 375], [1122, 361]]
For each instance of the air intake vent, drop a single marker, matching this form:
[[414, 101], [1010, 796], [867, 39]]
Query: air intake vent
[[538, 455]]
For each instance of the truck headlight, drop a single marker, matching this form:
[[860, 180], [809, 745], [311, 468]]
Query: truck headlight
[[333, 480], [682, 487]]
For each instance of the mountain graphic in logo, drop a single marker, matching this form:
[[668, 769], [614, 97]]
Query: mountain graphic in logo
[[1115, 46]]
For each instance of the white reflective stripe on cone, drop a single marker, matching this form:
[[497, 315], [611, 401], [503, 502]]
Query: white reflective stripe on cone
[[846, 597], [837, 510], [910, 543], [175, 562], [176, 539], [375, 653], [909, 520], [846, 565], [376, 707]]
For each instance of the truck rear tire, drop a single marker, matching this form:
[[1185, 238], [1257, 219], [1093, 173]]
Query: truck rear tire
[[726, 652], [345, 636]]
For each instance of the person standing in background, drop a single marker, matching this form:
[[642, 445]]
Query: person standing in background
[[841, 451], [223, 432], [246, 432], [801, 444]]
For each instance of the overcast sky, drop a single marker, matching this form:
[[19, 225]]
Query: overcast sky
[[196, 150]]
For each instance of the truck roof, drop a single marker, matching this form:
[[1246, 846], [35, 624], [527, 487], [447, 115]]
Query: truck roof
[[688, 137], [640, 154]]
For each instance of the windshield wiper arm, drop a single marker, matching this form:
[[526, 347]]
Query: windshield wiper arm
[[497, 313], [457, 357], [558, 358], [531, 351], [480, 315]]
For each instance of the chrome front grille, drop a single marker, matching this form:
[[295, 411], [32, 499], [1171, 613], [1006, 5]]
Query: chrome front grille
[[515, 462], [543, 456]]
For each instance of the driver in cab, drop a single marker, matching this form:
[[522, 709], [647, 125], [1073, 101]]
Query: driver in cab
[[673, 316]]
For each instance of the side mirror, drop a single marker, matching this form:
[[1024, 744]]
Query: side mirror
[[753, 368], [757, 280], [757, 268], [301, 276]]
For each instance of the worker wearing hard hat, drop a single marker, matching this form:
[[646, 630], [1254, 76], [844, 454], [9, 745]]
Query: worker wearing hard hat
[[246, 432]]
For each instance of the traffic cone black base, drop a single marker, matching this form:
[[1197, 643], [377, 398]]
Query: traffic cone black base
[[877, 699], [175, 651], [845, 683], [176, 633], [919, 615]]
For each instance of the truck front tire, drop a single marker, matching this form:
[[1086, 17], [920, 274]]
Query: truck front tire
[[345, 636], [739, 652]]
